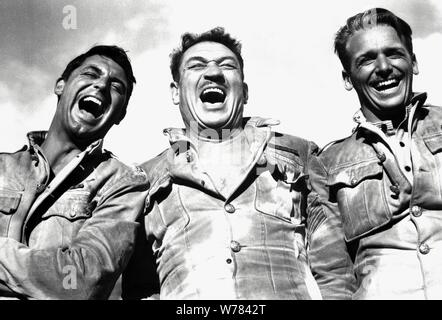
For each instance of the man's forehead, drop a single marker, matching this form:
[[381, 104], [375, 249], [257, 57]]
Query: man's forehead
[[99, 60], [103, 63], [373, 38], [208, 50]]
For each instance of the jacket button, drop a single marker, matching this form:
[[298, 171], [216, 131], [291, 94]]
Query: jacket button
[[235, 246], [40, 188], [189, 157], [416, 211], [395, 189], [381, 157], [229, 208], [72, 214], [424, 248], [354, 181]]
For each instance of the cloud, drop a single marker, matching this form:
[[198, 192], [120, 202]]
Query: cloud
[[424, 17], [292, 72], [35, 41], [15, 123], [24, 85]]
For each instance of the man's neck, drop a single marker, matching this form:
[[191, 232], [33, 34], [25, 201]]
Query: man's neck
[[209, 135], [225, 160], [58, 150], [397, 117]]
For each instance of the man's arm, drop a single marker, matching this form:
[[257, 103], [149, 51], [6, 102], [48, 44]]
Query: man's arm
[[90, 265], [329, 258]]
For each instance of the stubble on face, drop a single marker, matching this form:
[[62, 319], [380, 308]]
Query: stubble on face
[[381, 71], [211, 89], [92, 100]]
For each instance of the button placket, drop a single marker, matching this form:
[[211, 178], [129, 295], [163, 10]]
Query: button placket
[[354, 181], [382, 157], [395, 189], [416, 211], [229, 208], [424, 248], [235, 246]]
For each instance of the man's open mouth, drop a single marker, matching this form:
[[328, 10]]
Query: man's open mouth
[[213, 95], [92, 105], [383, 85]]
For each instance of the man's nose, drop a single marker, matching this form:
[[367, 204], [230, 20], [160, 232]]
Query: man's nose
[[214, 73], [383, 65], [102, 83]]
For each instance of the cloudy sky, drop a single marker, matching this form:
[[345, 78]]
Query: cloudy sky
[[292, 72]]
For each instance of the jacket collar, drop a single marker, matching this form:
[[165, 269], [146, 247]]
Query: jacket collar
[[181, 160], [417, 101], [36, 138], [180, 141]]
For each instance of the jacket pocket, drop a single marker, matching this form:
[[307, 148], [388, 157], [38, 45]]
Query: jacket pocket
[[359, 192], [72, 205], [280, 194], [434, 142], [9, 202]]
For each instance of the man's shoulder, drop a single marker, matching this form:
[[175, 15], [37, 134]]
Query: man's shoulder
[[120, 171], [433, 109], [336, 145], [288, 143], [16, 156], [335, 151], [159, 160]]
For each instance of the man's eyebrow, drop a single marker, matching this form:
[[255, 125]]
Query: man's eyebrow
[[100, 71], [197, 58], [373, 53], [203, 59], [93, 67]]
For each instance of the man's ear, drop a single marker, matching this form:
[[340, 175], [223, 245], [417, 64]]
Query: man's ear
[[175, 91], [347, 80], [245, 89], [415, 65], [59, 87]]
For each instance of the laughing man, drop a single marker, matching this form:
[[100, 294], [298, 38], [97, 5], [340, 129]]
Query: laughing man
[[67, 207], [385, 179], [227, 206]]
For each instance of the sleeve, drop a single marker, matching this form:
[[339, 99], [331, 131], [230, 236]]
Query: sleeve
[[140, 278], [90, 265], [328, 254]]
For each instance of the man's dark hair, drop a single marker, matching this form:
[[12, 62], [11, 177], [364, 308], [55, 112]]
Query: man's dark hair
[[115, 53], [369, 19], [214, 35]]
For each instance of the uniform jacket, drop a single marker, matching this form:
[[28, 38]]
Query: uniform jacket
[[388, 229], [249, 245], [68, 236]]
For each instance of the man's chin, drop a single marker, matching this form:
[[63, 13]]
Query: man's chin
[[85, 135], [394, 103], [389, 99]]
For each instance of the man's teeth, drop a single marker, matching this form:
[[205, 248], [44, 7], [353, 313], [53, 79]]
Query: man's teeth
[[208, 90], [386, 83], [93, 99]]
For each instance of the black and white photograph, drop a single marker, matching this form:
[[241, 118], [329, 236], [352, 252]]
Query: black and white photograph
[[237, 152]]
